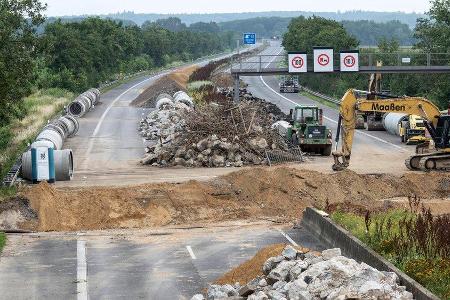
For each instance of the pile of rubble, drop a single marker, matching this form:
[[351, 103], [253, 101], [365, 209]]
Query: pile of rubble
[[212, 135], [304, 276]]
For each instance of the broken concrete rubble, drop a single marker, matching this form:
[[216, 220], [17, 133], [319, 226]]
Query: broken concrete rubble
[[295, 275], [212, 135]]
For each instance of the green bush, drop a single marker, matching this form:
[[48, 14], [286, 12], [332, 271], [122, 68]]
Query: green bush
[[5, 136]]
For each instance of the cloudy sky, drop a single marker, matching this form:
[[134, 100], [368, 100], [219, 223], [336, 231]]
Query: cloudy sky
[[77, 7]]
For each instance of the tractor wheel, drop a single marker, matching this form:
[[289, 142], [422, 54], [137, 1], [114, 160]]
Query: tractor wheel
[[327, 151]]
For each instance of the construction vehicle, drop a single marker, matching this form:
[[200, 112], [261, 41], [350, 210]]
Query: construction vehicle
[[437, 124], [374, 120], [306, 130], [289, 84]]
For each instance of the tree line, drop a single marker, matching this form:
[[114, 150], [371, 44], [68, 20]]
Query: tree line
[[78, 55], [431, 34]]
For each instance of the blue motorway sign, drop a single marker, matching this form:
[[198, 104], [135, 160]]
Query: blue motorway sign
[[249, 38]]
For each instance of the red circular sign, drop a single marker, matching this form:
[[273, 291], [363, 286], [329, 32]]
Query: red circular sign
[[349, 61], [297, 62], [323, 59]]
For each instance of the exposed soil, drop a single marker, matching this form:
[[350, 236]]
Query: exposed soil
[[278, 194], [252, 268], [174, 82]]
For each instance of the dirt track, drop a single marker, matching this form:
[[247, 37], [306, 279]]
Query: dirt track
[[278, 194]]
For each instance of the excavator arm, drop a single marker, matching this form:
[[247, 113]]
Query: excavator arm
[[350, 105]]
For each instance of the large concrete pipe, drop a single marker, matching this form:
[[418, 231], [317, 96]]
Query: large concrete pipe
[[164, 96], [52, 135], [27, 167], [392, 121], [69, 124], [63, 165], [183, 98], [83, 103]]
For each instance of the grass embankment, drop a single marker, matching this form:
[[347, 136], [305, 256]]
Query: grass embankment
[[40, 107], [417, 243], [2, 241]]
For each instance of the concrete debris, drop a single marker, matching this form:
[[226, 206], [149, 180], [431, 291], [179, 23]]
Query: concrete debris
[[298, 276], [221, 134]]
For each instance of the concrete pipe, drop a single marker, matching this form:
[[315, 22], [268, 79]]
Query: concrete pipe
[[164, 102], [81, 105], [26, 168], [391, 122], [63, 165], [97, 95], [53, 136], [164, 96], [178, 93], [70, 125]]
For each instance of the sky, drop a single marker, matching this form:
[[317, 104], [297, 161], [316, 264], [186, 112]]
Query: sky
[[79, 7]]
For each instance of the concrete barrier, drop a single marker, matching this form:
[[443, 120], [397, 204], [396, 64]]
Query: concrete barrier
[[335, 236]]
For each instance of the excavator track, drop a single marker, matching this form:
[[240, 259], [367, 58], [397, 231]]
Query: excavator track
[[429, 162]]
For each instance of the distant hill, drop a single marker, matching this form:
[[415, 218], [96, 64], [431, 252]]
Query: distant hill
[[139, 19]]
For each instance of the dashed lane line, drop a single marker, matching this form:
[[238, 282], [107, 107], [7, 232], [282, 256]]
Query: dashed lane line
[[191, 253], [82, 293], [288, 238]]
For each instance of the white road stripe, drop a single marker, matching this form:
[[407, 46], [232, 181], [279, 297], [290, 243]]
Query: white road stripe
[[288, 238], [331, 120], [81, 271], [191, 253]]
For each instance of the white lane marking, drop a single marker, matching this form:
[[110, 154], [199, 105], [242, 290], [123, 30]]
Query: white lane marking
[[331, 120], [105, 113], [191, 253], [288, 238], [81, 271]]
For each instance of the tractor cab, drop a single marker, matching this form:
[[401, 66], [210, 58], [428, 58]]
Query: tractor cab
[[306, 115]]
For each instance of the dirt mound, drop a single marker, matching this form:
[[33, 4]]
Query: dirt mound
[[278, 194], [169, 84], [252, 268], [15, 213]]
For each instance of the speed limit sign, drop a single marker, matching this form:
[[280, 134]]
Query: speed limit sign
[[350, 61], [297, 62]]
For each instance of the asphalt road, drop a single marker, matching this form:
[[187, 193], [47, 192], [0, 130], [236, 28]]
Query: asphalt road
[[142, 264], [374, 151]]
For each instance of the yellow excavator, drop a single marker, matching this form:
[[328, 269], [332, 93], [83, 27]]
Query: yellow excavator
[[437, 124]]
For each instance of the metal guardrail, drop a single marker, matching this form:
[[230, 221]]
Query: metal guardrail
[[322, 96]]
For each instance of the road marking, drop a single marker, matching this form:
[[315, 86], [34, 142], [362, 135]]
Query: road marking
[[81, 271], [288, 238], [326, 118], [191, 253]]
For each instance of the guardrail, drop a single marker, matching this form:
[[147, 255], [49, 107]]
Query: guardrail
[[322, 96]]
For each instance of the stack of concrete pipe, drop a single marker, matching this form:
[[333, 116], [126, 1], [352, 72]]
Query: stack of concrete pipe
[[54, 134], [84, 103]]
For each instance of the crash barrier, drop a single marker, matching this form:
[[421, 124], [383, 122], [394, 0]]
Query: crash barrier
[[84, 103]]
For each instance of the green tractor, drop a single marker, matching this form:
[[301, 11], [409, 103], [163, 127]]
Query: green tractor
[[307, 131]]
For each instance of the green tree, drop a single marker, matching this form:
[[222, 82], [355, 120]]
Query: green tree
[[305, 33], [18, 47], [388, 46]]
